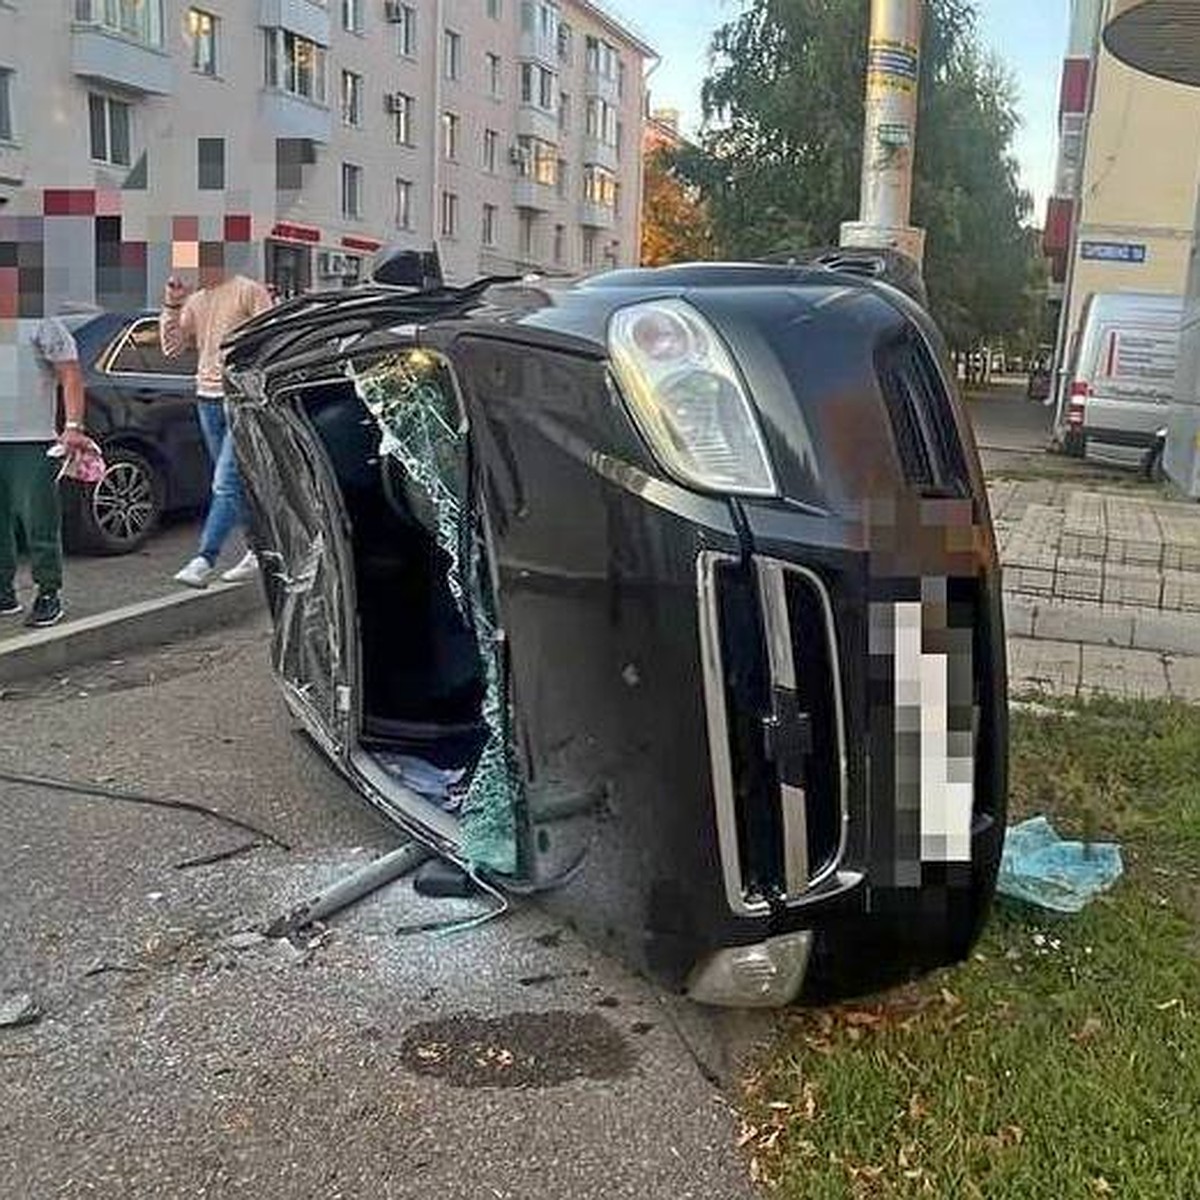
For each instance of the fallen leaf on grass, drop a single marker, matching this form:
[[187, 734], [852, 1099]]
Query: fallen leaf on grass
[[1088, 1031]]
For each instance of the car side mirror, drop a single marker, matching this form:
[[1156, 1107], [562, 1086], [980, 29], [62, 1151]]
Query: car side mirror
[[396, 266]]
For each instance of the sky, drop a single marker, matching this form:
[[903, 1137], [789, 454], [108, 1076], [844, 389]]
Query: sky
[[1029, 36]]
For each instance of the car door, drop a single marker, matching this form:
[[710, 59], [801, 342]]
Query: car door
[[301, 534], [150, 400]]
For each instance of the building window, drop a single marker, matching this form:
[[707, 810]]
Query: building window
[[538, 159], [489, 224], [109, 127], [493, 9], [562, 176], [352, 16], [560, 244], [566, 43], [138, 20], [620, 142], [491, 149], [537, 86], [352, 99], [525, 234], [621, 77], [589, 247], [451, 124], [7, 126], [404, 204], [452, 55], [601, 58], [406, 29], [449, 215], [202, 31], [210, 164], [599, 186], [564, 111], [493, 75], [405, 108], [601, 121], [295, 65], [351, 191]]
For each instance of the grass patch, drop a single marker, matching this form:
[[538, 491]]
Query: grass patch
[[1064, 1060]]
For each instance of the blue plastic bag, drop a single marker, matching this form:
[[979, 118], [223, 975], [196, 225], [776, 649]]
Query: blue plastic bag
[[1037, 866]]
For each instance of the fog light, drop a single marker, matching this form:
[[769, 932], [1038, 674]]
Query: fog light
[[765, 975]]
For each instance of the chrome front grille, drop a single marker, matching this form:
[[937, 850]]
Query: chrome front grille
[[776, 729]]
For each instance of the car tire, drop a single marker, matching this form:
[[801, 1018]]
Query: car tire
[[119, 513]]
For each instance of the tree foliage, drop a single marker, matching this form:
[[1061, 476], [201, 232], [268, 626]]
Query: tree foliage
[[675, 223], [780, 162]]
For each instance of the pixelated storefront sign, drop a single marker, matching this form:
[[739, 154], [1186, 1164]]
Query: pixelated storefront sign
[[893, 65], [1115, 252]]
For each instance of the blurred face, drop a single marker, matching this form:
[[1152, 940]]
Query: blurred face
[[212, 271]]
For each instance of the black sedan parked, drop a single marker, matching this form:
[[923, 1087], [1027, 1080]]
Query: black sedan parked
[[141, 410], [670, 596]]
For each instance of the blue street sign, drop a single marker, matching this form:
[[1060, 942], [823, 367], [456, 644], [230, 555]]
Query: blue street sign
[[1121, 252]]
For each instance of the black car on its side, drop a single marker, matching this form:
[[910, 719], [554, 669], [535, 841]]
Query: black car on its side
[[141, 409], [670, 596]]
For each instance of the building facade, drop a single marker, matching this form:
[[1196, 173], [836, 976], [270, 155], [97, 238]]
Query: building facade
[[1120, 218], [301, 135]]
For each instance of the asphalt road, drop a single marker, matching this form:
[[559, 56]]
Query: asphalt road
[[1004, 420], [176, 1059]]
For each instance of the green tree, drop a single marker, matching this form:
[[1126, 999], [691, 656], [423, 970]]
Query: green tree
[[780, 162]]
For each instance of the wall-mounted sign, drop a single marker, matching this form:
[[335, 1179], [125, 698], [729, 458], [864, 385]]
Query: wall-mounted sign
[[1116, 252]]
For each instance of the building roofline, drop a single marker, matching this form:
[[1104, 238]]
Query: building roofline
[[621, 26]]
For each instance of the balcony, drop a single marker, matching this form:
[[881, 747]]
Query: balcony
[[540, 197], [603, 87], [599, 152], [537, 123], [536, 47], [109, 57], [290, 116], [597, 216], [305, 18]]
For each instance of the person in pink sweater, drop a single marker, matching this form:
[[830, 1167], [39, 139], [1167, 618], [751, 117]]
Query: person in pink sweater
[[203, 319]]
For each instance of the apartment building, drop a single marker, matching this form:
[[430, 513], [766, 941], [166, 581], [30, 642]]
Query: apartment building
[[1121, 216], [304, 134]]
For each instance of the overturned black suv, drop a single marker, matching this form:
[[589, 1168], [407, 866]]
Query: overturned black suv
[[670, 595]]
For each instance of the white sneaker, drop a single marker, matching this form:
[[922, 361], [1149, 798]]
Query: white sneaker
[[197, 573], [247, 568]]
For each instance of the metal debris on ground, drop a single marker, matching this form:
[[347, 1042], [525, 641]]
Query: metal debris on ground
[[18, 1008], [1041, 868]]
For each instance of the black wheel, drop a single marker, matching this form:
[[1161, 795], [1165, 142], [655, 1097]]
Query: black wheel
[[121, 511]]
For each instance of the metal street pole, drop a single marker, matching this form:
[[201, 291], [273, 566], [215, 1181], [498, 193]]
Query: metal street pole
[[890, 132]]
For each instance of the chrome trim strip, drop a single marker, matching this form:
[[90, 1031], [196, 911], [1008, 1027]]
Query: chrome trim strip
[[793, 807], [718, 735], [773, 595]]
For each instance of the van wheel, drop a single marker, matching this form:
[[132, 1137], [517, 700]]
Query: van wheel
[[120, 512]]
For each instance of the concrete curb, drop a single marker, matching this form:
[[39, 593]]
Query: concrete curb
[[46, 651], [1124, 626]]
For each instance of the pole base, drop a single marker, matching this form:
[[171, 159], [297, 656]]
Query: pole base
[[905, 240]]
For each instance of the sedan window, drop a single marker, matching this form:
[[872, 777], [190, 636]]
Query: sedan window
[[140, 353]]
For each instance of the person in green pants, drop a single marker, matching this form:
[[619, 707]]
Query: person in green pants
[[37, 357]]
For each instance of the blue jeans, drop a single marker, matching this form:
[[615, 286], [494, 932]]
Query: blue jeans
[[226, 508]]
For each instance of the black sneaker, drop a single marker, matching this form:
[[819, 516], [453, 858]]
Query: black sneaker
[[47, 610], [10, 606]]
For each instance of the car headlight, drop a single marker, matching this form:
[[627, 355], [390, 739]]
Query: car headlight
[[687, 398]]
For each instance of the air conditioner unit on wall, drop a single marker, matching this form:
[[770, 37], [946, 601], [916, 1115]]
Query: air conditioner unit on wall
[[393, 102], [332, 265]]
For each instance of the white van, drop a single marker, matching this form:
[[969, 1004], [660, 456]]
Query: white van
[[1120, 375]]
